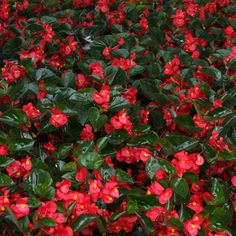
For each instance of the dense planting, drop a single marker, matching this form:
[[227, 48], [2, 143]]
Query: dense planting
[[117, 117]]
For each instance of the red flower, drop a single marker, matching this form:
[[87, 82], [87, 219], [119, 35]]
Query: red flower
[[58, 118], [165, 196], [155, 188], [81, 174], [124, 63], [179, 18], [3, 150], [125, 223], [130, 95], [21, 208], [155, 213], [96, 69], [103, 5], [110, 192], [233, 181], [95, 187], [31, 111], [102, 97], [49, 147], [122, 121], [63, 189], [191, 228], [81, 81], [87, 133], [14, 169], [160, 174]]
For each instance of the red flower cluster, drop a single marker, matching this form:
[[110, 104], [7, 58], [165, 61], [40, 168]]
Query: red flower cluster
[[103, 97], [163, 194], [11, 72], [117, 117], [132, 155], [19, 169], [187, 162]]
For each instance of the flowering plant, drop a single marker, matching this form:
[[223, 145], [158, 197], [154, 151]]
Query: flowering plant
[[117, 117]]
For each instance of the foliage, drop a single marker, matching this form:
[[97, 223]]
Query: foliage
[[117, 117]]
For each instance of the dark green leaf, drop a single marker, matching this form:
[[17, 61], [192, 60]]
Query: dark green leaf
[[181, 142], [90, 160], [180, 186], [218, 192], [115, 75], [13, 117], [154, 164], [5, 180], [12, 46], [118, 136], [38, 181], [82, 221], [20, 144], [47, 222]]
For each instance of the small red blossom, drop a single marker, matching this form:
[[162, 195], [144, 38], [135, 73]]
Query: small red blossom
[[233, 181], [31, 111], [87, 133], [3, 150], [20, 209], [96, 69], [58, 118]]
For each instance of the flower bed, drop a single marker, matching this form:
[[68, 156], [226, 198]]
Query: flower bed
[[117, 117]]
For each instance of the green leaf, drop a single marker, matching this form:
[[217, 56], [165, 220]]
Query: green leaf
[[120, 53], [215, 73], [117, 215], [20, 144], [47, 222], [63, 150], [218, 192], [115, 75], [226, 155], [44, 74], [181, 142], [38, 181], [90, 160], [122, 176], [12, 46], [82, 221], [136, 70], [150, 88], [186, 122], [13, 117], [146, 223], [180, 186], [68, 79], [69, 166], [102, 143], [218, 113], [190, 176], [5, 161], [210, 153], [118, 136], [96, 120], [5, 180], [176, 223], [83, 96], [118, 103], [154, 164]]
